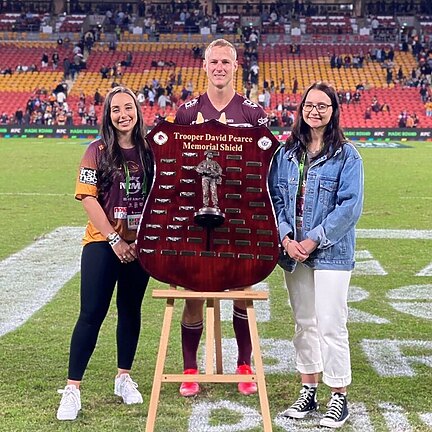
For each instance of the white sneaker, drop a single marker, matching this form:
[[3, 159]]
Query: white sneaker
[[127, 389], [70, 403]]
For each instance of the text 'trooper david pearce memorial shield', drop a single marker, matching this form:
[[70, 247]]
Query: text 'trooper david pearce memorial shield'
[[208, 224]]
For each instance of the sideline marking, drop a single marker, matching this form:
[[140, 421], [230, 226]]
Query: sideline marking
[[416, 197], [359, 421], [427, 271], [24, 290], [247, 418], [381, 145], [419, 309], [200, 420], [357, 294], [394, 234], [427, 418], [262, 308], [31, 277], [278, 355], [366, 265], [395, 417], [387, 356], [35, 194]]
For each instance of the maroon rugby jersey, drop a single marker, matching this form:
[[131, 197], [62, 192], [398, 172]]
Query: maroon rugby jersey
[[123, 202], [240, 112]]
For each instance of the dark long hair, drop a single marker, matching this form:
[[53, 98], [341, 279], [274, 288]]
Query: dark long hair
[[112, 157], [334, 137]]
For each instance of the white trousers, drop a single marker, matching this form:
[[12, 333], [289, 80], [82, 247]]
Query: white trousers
[[319, 302]]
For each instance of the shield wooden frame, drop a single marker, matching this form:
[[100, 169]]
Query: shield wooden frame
[[240, 252]]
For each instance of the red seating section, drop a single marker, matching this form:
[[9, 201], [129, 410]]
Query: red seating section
[[72, 23], [275, 61]]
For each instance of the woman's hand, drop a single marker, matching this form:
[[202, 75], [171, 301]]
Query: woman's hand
[[309, 245], [125, 252], [295, 249]]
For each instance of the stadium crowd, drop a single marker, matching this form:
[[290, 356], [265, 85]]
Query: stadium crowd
[[48, 106]]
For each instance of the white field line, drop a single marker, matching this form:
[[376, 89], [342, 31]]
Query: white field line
[[31, 277], [34, 194], [417, 198], [262, 308], [427, 271], [399, 234]]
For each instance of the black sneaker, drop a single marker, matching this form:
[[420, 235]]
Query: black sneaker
[[304, 405], [337, 412]]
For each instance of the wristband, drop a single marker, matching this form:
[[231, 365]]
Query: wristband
[[287, 241], [113, 238]]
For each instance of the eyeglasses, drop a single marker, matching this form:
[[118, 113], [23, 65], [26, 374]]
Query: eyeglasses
[[321, 107]]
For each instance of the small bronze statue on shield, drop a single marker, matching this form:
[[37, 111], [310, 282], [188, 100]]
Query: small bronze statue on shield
[[211, 176]]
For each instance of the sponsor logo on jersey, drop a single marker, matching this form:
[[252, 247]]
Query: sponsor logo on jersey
[[88, 176], [191, 103], [133, 167], [249, 103], [262, 121], [133, 221], [120, 212], [135, 185]]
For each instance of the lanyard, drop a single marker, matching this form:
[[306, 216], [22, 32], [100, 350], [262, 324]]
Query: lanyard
[[301, 172], [127, 179], [127, 176]]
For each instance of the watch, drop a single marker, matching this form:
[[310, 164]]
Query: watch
[[112, 236]]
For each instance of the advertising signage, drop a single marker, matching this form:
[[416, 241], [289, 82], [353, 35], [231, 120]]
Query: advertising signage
[[41, 131], [91, 132], [373, 134]]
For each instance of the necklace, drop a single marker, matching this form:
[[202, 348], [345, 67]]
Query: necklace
[[314, 152]]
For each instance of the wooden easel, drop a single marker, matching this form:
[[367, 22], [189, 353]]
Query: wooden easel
[[213, 346]]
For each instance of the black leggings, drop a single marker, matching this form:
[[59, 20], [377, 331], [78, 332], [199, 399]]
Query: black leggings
[[100, 270]]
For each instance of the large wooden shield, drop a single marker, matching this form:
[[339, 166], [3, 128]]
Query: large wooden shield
[[239, 246]]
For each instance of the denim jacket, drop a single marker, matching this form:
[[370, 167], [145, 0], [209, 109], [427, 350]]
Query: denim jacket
[[332, 206]]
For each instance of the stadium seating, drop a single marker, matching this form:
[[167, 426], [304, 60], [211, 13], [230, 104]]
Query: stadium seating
[[275, 61], [71, 23], [426, 24], [7, 21], [29, 52], [327, 24]]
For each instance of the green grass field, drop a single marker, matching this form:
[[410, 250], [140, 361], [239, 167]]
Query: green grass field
[[391, 335]]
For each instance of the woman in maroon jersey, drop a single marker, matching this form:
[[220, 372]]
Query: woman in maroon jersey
[[220, 102], [112, 184]]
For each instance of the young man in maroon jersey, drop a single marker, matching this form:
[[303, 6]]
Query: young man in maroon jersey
[[220, 102]]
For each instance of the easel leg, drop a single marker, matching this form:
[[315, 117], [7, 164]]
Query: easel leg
[[210, 336], [218, 337], [160, 363], [259, 368]]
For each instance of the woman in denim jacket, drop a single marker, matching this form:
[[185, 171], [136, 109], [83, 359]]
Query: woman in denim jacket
[[316, 184]]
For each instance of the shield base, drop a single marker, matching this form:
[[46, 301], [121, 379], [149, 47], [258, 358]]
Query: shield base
[[209, 217]]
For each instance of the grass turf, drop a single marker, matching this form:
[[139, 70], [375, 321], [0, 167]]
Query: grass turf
[[37, 180]]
